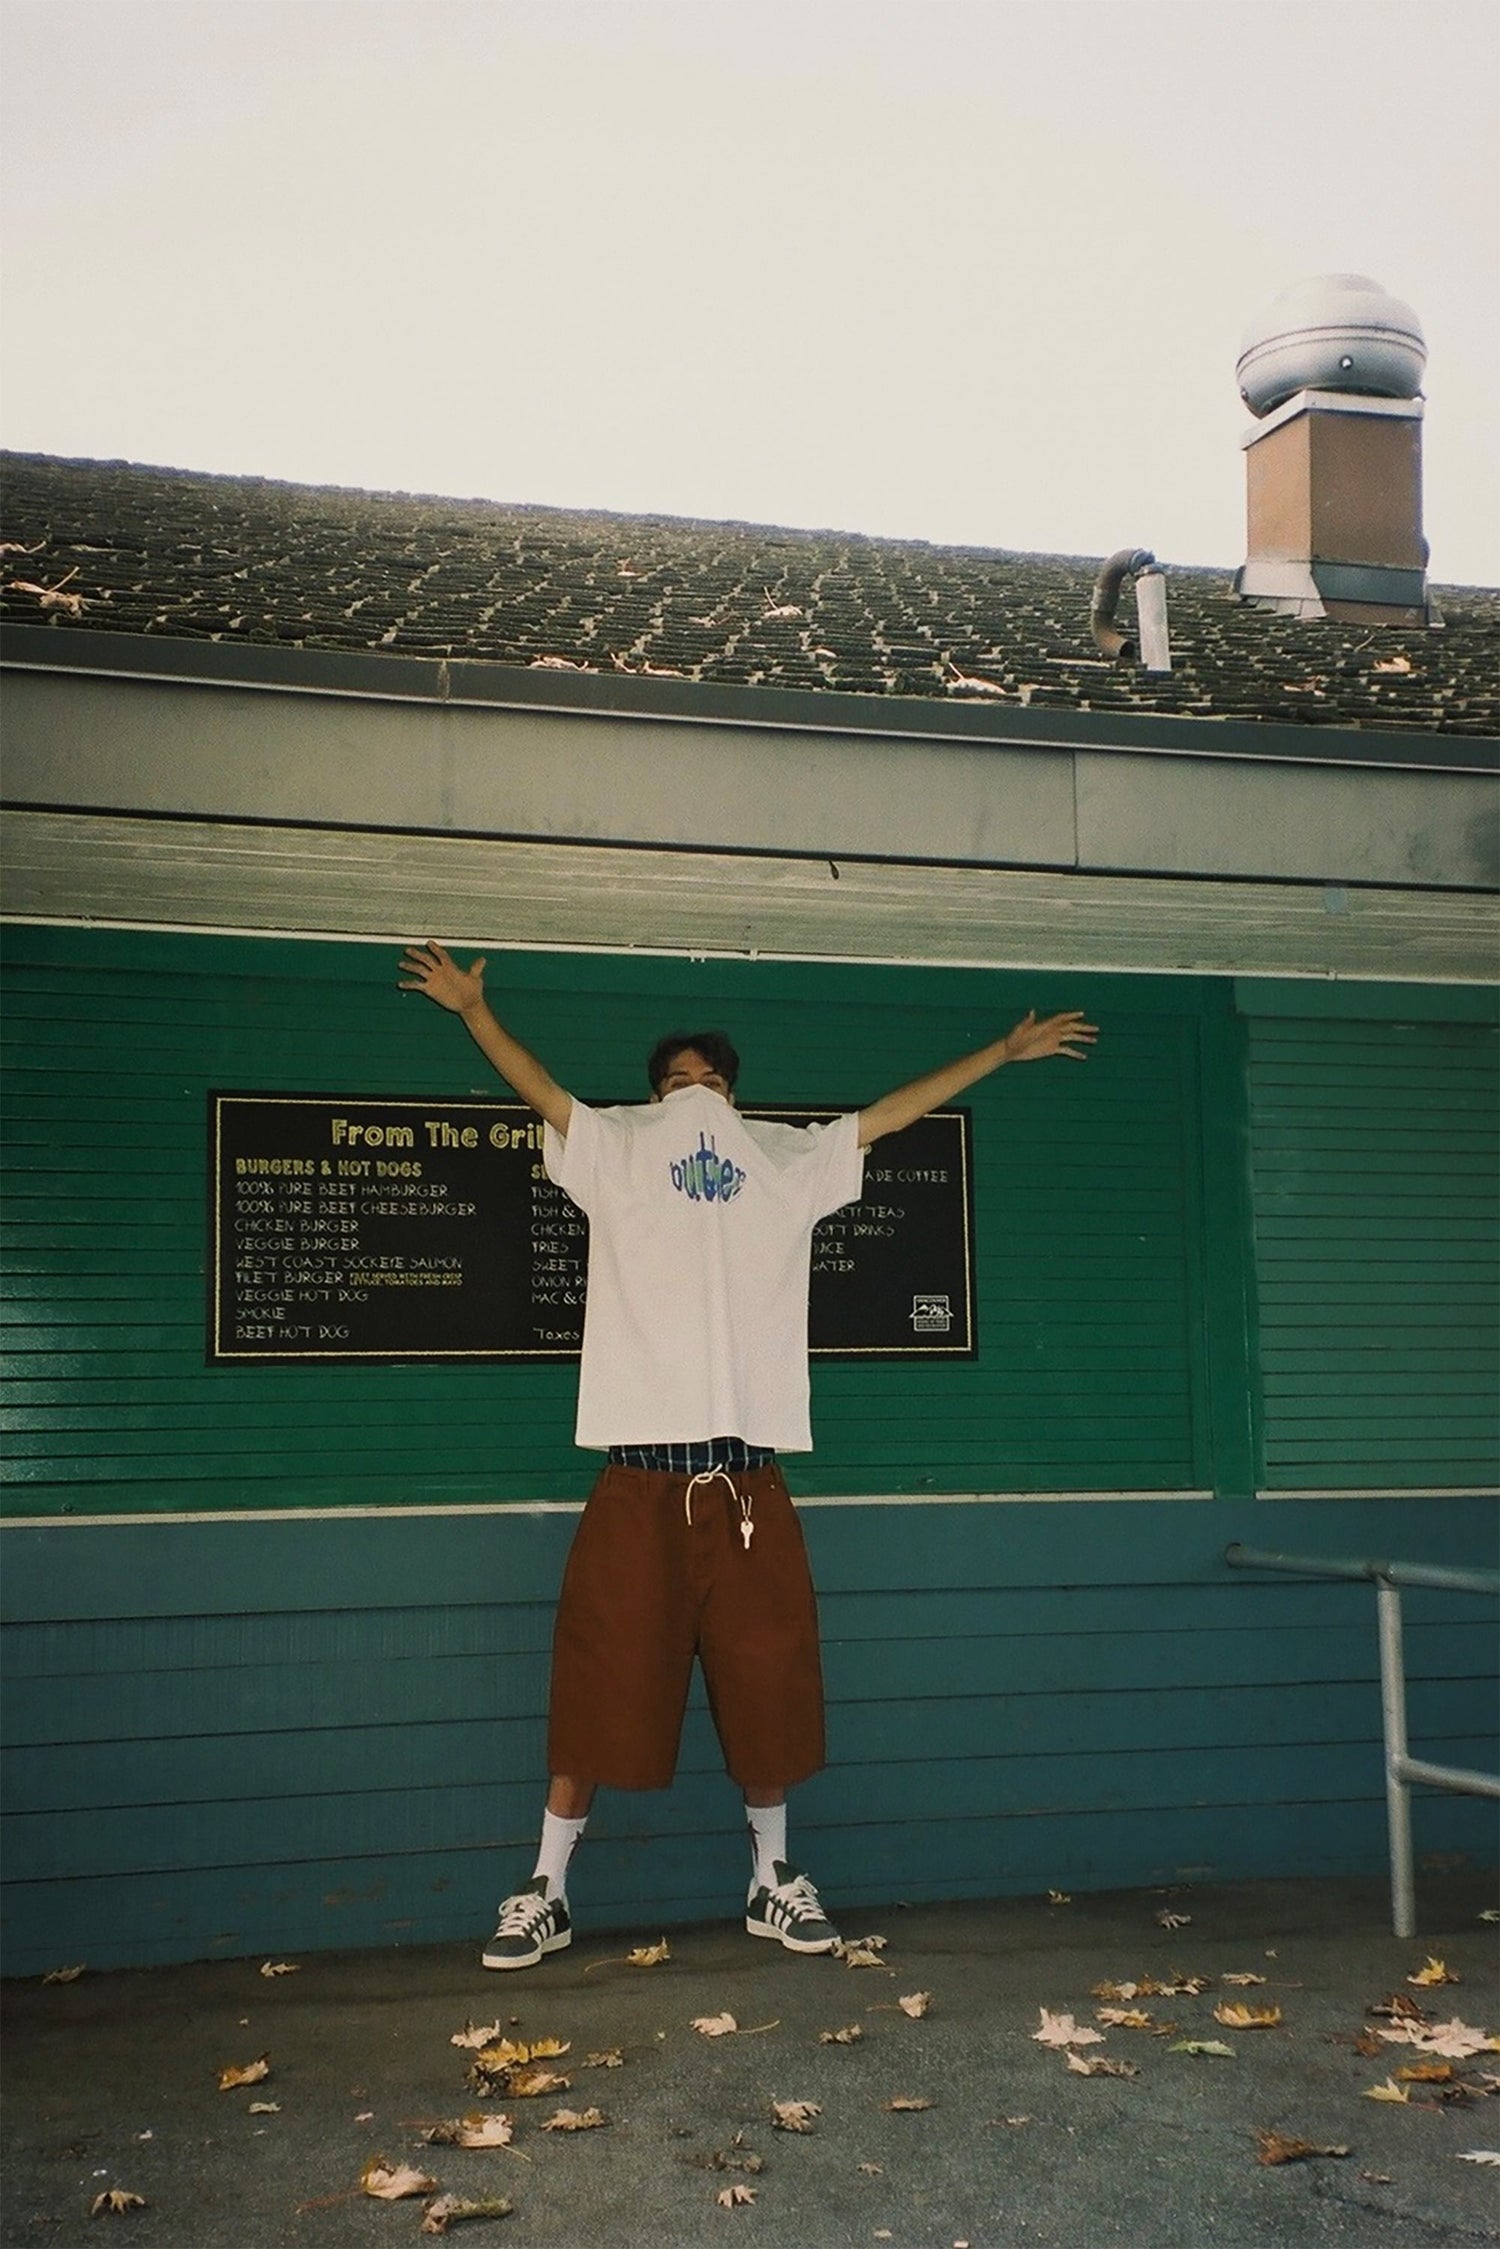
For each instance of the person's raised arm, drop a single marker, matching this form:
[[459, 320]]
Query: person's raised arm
[[461, 990], [1029, 1041]]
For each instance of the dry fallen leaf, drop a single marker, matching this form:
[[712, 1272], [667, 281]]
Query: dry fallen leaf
[[390, 2182], [1455, 2039], [1389, 2091], [264, 2108], [451, 2210], [902, 2101], [281, 1967], [873, 2170], [860, 1952], [1392, 664], [1058, 1897], [64, 1975], [1479, 2155], [735, 2157], [1214, 2046], [114, 2200], [526, 2083], [1100, 2065], [1152, 1987], [915, 2004], [476, 2035], [715, 2026], [1061, 2030], [477, 2129], [576, 2120], [1275, 2147], [1126, 2018], [1169, 1920], [1238, 2016], [1435, 1972], [249, 2073], [735, 2197], [610, 2057], [1242, 1979], [850, 2035], [794, 2116], [644, 1956], [539, 2050], [1426, 2073], [1399, 2008]]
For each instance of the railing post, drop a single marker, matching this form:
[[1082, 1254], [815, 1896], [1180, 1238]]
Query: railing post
[[1397, 1787]]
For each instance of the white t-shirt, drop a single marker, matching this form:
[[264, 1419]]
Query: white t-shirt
[[700, 1232]]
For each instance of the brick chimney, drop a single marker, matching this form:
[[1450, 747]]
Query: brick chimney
[[1332, 369]]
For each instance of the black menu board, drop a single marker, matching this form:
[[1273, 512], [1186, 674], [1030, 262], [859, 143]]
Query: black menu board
[[407, 1229]]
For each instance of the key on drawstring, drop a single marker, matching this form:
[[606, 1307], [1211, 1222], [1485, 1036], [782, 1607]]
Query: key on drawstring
[[719, 1475]]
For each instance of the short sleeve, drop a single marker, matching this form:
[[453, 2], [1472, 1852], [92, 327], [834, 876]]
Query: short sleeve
[[838, 1170], [573, 1159], [821, 1166]]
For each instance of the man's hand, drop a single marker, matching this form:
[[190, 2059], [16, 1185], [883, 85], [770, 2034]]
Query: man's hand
[[434, 971], [461, 991], [1031, 1041]]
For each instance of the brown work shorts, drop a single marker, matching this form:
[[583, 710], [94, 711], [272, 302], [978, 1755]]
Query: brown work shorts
[[645, 1590]]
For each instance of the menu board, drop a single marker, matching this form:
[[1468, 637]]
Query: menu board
[[404, 1229]]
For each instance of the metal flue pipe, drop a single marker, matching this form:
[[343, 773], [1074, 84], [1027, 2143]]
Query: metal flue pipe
[[1151, 609]]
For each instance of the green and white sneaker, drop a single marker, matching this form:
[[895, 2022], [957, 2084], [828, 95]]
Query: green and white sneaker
[[791, 1913], [531, 1924]]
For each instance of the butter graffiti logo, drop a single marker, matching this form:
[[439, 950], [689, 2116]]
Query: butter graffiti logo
[[705, 1176]]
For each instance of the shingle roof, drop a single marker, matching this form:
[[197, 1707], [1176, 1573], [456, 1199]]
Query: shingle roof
[[120, 548]]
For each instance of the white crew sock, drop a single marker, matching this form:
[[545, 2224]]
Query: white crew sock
[[767, 1843], [559, 1838]]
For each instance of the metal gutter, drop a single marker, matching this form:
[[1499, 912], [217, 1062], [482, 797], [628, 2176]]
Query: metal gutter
[[464, 683]]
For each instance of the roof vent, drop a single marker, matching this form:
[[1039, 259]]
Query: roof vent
[[1333, 370], [1150, 609], [1338, 331]]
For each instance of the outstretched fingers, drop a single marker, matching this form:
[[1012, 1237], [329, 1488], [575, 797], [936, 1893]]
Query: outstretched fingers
[[432, 969], [1067, 1034]]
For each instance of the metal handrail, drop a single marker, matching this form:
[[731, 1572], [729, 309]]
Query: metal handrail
[[1401, 1769]]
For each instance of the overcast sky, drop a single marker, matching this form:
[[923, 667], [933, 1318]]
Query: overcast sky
[[964, 270]]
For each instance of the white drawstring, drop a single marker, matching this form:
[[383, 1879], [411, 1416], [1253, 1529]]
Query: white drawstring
[[707, 1476]]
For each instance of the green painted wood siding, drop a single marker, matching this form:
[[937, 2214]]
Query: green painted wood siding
[[1376, 1198], [1094, 1223]]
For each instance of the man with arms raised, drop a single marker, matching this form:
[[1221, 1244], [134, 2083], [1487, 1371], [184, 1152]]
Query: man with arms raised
[[694, 1377]]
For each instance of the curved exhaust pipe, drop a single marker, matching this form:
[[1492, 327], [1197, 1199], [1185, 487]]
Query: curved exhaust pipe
[[1151, 609]]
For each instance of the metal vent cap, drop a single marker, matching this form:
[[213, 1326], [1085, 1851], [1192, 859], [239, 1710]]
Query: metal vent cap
[[1332, 331]]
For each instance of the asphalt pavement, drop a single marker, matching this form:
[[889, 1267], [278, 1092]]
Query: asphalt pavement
[[112, 2084]]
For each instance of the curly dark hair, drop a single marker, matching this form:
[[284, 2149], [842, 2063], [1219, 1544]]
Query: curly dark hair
[[714, 1046]]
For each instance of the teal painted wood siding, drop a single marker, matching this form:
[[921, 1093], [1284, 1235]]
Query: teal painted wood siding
[[256, 1701], [244, 1737]]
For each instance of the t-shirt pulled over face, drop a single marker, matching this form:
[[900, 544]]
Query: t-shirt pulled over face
[[700, 1232]]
